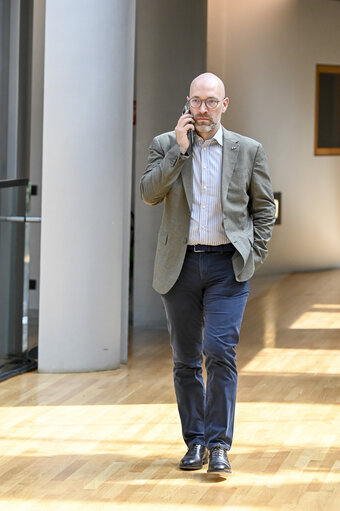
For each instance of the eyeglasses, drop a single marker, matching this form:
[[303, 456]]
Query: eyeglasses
[[210, 103]]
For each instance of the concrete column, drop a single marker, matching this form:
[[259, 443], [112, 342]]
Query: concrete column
[[86, 184]]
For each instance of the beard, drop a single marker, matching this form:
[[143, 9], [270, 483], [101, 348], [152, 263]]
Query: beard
[[205, 128]]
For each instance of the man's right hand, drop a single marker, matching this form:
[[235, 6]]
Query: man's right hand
[[183, 126]]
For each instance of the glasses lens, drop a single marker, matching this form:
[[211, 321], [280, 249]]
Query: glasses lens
[[211, 103], [195, 102]]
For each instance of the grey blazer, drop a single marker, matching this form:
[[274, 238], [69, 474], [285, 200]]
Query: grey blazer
[[247, 203]]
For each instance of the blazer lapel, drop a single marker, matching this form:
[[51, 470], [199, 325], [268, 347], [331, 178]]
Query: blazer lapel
[[231, 148], [187, 180]]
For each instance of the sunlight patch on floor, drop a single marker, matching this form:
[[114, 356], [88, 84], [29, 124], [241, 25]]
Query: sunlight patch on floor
[[285, 360], [322, 316]]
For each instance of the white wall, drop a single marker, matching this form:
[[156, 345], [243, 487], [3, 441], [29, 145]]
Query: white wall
[[170, 51], [266, 52]]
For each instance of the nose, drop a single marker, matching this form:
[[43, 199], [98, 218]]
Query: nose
[[203, 107]]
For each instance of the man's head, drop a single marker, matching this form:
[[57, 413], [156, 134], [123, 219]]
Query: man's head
[[207, 86]]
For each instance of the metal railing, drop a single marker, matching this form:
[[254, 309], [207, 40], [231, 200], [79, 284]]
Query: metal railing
[[10, 183], [21, 363], [21, 219]]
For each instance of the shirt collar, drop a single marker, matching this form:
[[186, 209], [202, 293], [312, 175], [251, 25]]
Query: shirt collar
[[218, 137]]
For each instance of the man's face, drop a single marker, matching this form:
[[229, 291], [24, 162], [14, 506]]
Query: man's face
[[207, 120]]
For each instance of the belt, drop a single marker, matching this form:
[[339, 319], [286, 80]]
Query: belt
[[228, 247]]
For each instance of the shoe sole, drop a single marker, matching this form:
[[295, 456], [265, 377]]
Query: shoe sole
[[193, 467]]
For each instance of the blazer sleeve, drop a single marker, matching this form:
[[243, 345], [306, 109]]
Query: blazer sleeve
[[163, 168], [262, 205]]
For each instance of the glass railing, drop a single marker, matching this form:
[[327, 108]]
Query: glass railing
[[14, 276]]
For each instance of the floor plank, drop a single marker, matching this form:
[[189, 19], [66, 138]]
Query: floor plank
[[112, 440]]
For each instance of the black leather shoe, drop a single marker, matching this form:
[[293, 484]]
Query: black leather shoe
[[218, 462], [195, 458]]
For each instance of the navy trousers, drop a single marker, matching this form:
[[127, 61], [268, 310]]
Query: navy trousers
[[204, 311]]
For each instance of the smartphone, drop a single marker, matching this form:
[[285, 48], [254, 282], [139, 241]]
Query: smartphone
[[185, 110]]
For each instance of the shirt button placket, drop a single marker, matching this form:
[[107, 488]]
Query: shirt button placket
[[204, 193]]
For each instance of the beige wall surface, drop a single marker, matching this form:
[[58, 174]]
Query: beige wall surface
[[266, 52], [170, 51]]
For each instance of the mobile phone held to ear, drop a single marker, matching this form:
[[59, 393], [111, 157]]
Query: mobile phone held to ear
[[190, 132]]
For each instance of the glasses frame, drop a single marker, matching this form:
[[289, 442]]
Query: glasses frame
[[205, 102]]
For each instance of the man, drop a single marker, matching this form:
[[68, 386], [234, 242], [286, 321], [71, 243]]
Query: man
[[218, 216]]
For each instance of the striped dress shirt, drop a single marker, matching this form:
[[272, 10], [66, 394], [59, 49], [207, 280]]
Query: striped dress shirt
[[206, 226]]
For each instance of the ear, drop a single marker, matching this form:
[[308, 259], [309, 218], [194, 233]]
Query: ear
[[225, 104]]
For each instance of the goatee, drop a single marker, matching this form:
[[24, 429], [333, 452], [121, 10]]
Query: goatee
[[206, 129]]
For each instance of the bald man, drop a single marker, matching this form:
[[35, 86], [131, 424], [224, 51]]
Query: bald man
[[218, 217]]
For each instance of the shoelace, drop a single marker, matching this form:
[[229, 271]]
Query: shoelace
[[217, 452], [193, 448]]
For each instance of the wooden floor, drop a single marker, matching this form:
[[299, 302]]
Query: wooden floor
[[106, 441]]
